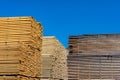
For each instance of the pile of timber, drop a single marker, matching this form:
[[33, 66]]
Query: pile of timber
[[54, 56], [20, 48], [94, 57]]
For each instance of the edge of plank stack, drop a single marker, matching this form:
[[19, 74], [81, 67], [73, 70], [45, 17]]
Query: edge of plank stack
[[54, 59], [20, 48], [94, 56]]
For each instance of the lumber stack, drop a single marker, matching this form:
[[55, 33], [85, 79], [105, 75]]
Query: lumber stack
[[54, 64], [94, 57], [20, 48]]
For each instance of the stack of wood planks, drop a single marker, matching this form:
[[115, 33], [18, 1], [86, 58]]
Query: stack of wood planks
[[54, 56], [94, 57], [20, 48]]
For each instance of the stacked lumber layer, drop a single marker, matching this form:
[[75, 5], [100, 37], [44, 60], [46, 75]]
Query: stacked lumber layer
[[103, 43], [20, 46], [94, 57], [85, 66], [54, 56], [16, 77]]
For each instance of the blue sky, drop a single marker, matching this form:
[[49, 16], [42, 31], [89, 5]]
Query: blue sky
[[62, 18]]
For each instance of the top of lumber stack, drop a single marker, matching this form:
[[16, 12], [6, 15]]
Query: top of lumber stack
[[95, 43], [18, 28]]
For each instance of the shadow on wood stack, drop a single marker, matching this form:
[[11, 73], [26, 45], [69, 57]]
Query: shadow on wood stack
[[20, 48], [54, 64], [94, 57]]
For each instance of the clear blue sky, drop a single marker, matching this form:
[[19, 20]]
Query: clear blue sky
[[62, 18]]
